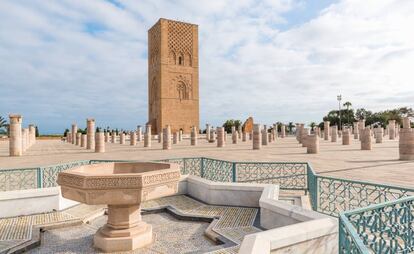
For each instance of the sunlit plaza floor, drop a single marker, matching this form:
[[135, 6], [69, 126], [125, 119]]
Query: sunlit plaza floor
[[380, 165]]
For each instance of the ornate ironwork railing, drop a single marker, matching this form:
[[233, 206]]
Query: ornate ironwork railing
[[334, 195], [380, 228]]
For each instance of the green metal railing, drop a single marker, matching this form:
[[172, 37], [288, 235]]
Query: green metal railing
[[380, 228], [361, 231]]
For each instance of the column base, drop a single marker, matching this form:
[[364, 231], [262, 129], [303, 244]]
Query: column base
[[139, 237]]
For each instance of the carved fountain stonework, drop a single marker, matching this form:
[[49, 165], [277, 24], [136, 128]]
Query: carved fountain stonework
[[123, 187]]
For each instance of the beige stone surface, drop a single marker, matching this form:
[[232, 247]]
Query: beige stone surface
[[381, 164], [173, 97]]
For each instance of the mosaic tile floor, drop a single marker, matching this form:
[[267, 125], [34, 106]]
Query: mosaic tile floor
[[233, 223], [172, 236]]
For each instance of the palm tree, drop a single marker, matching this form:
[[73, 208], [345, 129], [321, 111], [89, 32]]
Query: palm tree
[[347, 105], [312, 125], [3, 123]]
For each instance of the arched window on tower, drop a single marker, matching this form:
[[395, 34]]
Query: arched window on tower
[[180, 59], [182, 91]]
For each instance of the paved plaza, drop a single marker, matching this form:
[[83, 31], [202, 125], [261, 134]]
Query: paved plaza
[[380, 165]]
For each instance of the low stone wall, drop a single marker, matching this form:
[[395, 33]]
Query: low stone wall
[[295, 229], [27, 202], [217, 193]]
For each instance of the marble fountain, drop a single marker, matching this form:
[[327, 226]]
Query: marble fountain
[[123, 187]]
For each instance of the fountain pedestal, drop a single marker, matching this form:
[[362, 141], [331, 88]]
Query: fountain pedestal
[[124, 230]]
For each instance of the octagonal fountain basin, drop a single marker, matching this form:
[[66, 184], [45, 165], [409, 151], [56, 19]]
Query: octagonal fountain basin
[[121, 186]]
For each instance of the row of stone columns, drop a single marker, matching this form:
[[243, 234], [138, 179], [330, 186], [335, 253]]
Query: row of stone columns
[[91, 140], [20, 139]]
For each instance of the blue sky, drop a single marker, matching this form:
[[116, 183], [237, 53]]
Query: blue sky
[[64, 61]]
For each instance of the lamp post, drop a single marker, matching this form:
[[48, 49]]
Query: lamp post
[[339, 98]]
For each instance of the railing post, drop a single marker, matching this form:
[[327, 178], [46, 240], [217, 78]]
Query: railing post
[[202, 168], [39, 177], [184, 165], [234, 172]]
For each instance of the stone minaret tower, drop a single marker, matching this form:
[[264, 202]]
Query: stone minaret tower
[[173, 76]]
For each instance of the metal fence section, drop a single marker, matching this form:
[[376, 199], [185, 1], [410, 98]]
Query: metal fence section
[[336, 195], [380, 228], [289, 175], [19, 179]]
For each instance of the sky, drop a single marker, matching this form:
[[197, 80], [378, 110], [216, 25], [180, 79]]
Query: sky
[[276, 60]]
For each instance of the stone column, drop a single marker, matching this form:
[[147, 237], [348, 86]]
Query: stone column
[[74, 131], [326, 130], [244, 136], [270, 137], [334, 134], [379, 133], [106, 136], [25, 135], [406, 123], [139, 133], [100, 142], [148, 135], [282, 131], [239, 132], [83, 140], [297, 132], [356, 130], [391, 129], [180, 135], [78, 138], [234, 135], [69, 137], [264, 136], [273, 133], [361, 126], [175, 138], [208, 132], [113, 137], [32, 134], [15, 135], [194, 136], [220, 137], [257, 136], [212, 136], [312, 144], [90, 133], [160, 137], [122, 138], [366, 139], [305, 132], [166, 138], [133, 138], [346, 137], [406, 142]]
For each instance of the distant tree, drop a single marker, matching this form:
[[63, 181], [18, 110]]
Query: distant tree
[[116, 131], [37, 131], [65, 133], [290, 127], [230, 123], [347, 105], [3, 124], [312, 125]]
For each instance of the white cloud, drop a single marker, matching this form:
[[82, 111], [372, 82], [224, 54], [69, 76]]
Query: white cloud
[[54, 72]]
